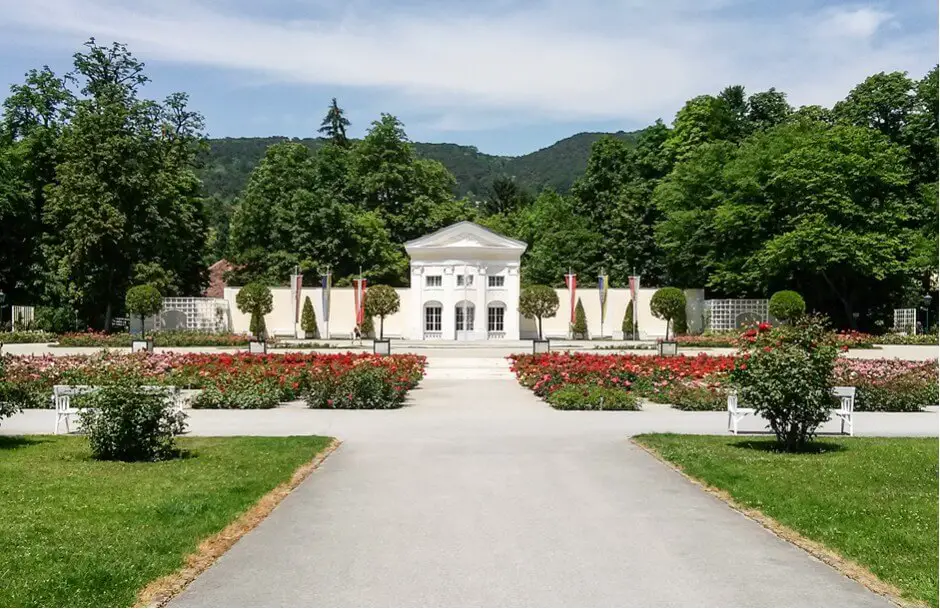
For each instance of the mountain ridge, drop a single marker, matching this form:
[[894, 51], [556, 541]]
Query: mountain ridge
[[229, 162]]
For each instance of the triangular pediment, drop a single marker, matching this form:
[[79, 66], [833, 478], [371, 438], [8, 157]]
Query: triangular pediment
[[463, 236]]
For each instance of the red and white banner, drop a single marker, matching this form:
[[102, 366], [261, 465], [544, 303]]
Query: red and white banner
[[296, 284], [571, 282], [360, 300]]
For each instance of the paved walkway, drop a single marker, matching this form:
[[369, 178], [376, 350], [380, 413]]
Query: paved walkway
[[481, 495]]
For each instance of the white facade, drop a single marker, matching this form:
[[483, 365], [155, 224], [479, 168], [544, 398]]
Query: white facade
[[465, 286]]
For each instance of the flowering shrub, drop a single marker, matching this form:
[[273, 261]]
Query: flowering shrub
[[592, 397], [124, 422], [696, 395], [363, 387], [166, 338], [889, 385], [238, 380], [786, 374]]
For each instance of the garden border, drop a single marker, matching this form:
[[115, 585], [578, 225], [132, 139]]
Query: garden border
[[846, 567], [162, 590]]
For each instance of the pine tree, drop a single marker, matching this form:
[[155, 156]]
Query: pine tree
[[580, 321], [627, 326], [334, 125], [308, 320]]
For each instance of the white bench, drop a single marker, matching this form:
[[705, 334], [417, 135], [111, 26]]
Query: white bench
[[845, 411], [62, 400]]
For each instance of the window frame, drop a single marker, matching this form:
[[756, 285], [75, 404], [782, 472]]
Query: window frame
[[495, 281], [437, 283]]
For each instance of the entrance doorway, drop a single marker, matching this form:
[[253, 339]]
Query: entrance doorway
[[464, 313]]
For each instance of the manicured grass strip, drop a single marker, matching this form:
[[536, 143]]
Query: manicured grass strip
[[872, 500], [76, 532]]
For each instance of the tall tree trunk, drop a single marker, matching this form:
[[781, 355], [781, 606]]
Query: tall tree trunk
[[540, 326], [381, 327]]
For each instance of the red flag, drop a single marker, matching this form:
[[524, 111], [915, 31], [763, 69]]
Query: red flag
[[360, 298], [571, 281]]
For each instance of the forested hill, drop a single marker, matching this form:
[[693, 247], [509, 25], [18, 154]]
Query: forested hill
[[230, 160]]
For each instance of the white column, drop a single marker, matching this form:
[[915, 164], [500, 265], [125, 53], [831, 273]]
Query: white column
[[479, 324], [511, 321]]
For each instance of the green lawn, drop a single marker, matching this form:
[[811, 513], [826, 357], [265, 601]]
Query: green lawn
[[873, 500], [76, 532]]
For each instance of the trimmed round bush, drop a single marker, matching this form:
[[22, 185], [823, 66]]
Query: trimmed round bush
[[143, 301], [786, 305], [128, 422], [592, 397], [668, 304]]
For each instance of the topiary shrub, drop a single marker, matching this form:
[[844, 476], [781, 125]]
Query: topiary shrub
[[127, 422], [785, 374], [308, 320], [143, 300], [255, 299], [580, 321], [786, 305], [538, 301], [627, 326], [592, 397], [382, 301], [668, 304]]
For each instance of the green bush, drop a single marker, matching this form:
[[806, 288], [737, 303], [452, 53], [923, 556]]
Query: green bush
[[143, 301], [9, 400], [361, 388], [786, 305], [12, 338], [308, 320], [57, 320], [580, 321], [785, 374], [243, 392], [592, 397], [627, 325], [162, 338], [256, 300], [538, 302], [126, 422], [668, 304]]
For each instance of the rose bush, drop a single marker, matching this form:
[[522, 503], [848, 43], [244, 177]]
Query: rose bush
[[238, 380]]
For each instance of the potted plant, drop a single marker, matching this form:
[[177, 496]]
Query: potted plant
[[255, 299], [538, 301], [668, 304], [143, 300], [381, 301]]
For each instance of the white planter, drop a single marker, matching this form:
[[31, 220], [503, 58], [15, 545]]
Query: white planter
[[142, 345], [541, 346], [257, 347], [382, 346], [668, 347]]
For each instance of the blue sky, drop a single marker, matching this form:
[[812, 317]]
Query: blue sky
[[507, 76]]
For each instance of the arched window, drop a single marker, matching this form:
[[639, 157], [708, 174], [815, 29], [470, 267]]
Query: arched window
[[432, 316], [464, 312], [495, 316]]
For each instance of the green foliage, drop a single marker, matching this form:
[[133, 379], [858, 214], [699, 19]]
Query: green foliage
[[368, 327], [668, 304], [143, 301], [538, 301], [580, 327], [786, 305], [308, 320], [363, 387], [255, 299], [152, 273], [56, 320], [592, 397], [334, 125], [789, 382], [382, 301], [125, 421], [627, 326]]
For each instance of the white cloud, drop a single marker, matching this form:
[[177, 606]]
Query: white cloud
[[552, 60]]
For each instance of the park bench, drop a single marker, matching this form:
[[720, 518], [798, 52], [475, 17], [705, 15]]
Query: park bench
[[844, 411], [62, 400]]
